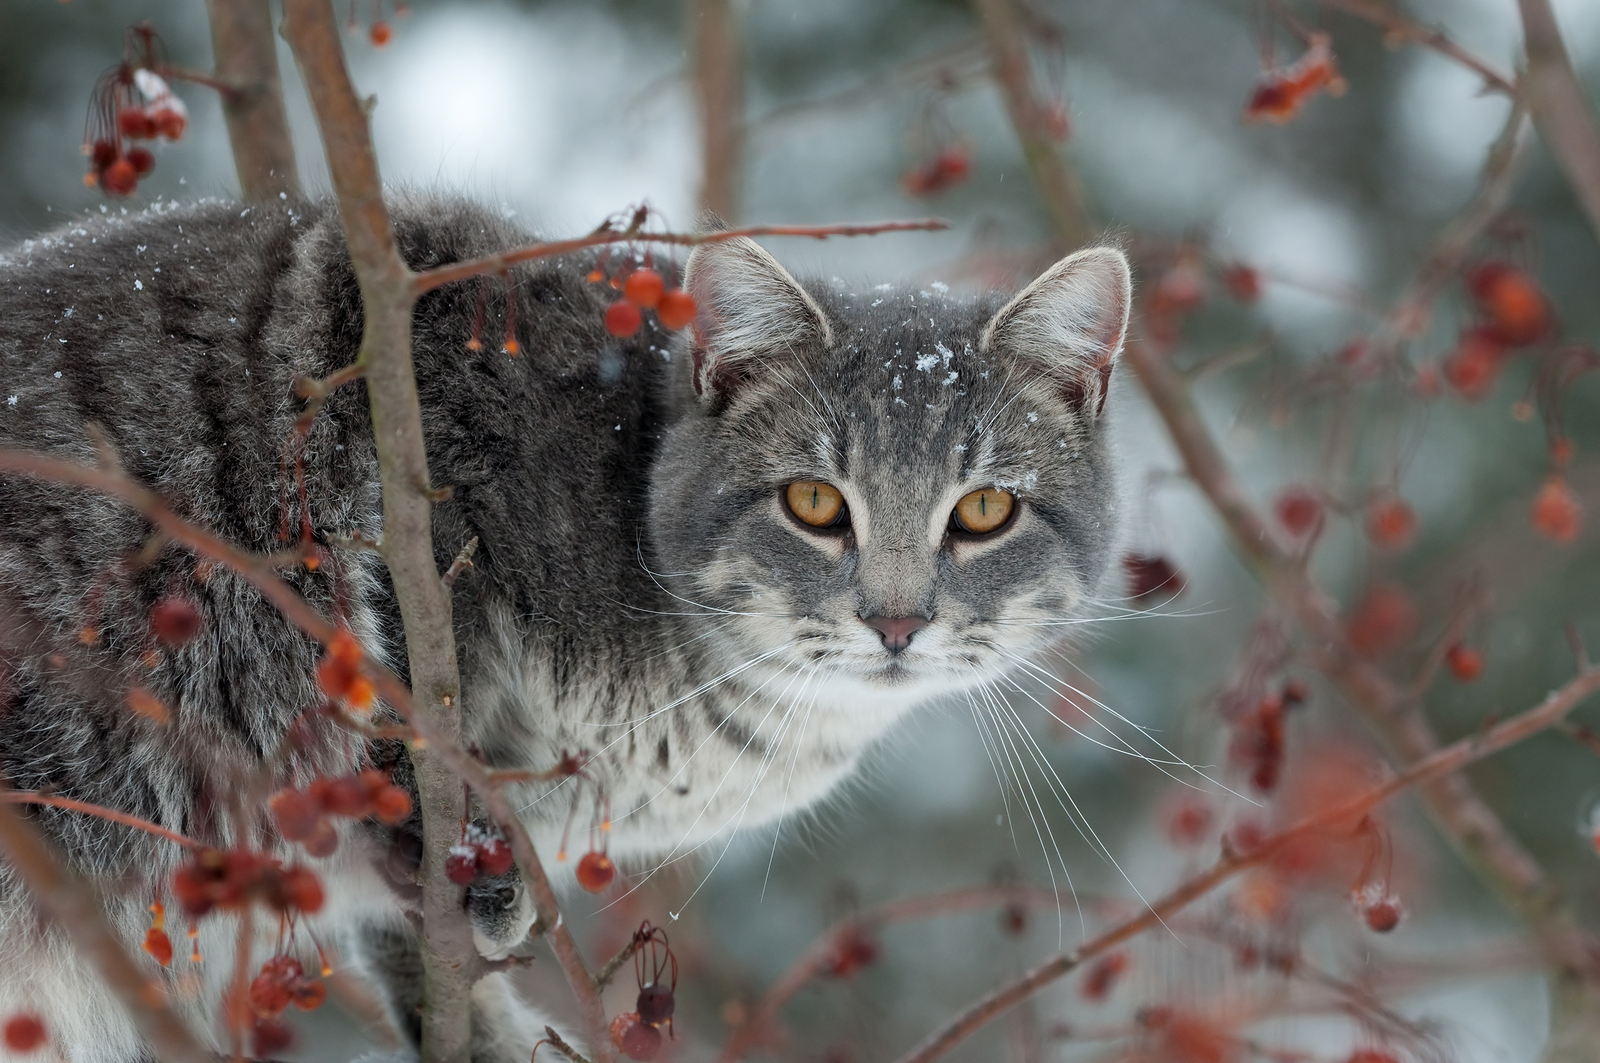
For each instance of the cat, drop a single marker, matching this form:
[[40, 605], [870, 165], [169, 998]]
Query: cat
[[720, 563]]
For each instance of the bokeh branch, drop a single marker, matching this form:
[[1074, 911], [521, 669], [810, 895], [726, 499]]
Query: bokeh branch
[[1013, 71], [719, 90], [246, 58], [1560, 110]]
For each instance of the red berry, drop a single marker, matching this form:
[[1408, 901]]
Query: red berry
[[391, 805], [268, 1038], [622, 318], [644, 288], [1465, 662], [135, 124], [461, 866], [1474, 366], [170, 122], [854, 950], [143, 161], [159, 946], [1299, 510], [1372, 1055], [675, 309], [120, 178], [323, 841], [1244, 283], [1189, 819], [1557, 513], [1103, 976], [25, 1032], [1383, 620], [655, 1003], [309, 995], [102, 154], [270, 993], [637, 1039], [302, 890], [343, 796], [174, 620], [380, 34], [1516, 310], [595, 871], [494, 857], [1391, 524], [1382, 916]]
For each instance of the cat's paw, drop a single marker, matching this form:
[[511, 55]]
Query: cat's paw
[[501, 912]]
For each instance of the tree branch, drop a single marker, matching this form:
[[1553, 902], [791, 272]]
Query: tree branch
[[1559, 108], [1430, 770], [76, 910], [501, 261], [246, 58], [719, 87], [1397, 27], [1057, 184]]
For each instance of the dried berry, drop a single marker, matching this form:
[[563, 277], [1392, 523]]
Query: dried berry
[[1557, 513], [301, 890], [297, 814], [1103, 976], [1516, 311], [1280, 93], [644, 288], [637, 1038], [944, 169], [655, 1003], [142, 159], [269, 1037], [342, 796], [1382, 916], [854, 949], [120, 178]]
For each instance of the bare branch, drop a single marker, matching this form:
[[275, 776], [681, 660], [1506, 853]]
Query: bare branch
[[719, 87], [462, 562], [33, 797], [1559, 108], [246, 57], [501, 261], [1057, 184]]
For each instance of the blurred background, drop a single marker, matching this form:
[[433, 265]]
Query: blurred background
[[564, 113]]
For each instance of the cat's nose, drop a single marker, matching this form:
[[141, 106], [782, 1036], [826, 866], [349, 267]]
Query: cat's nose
[[896, 631]]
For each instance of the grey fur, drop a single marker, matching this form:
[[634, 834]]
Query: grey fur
[[640, 591]]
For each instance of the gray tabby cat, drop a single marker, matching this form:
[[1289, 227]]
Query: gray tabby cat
[[722, 562]]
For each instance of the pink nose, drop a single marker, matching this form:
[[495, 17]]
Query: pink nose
[[895, 630]]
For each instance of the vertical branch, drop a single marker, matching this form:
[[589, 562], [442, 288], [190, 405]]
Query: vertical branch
[[448, 953], [246, 58], [388, 290], [719, 87], [1559, 108], [75, 908], [1008, 55]]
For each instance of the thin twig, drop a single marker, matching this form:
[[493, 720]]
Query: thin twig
[[1399, 28], [603, 976], [554, 1040], [34, 797], [1444, 762], [428, 280], [462, 562]]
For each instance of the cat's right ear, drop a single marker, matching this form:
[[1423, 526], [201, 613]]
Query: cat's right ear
[[749, 313]]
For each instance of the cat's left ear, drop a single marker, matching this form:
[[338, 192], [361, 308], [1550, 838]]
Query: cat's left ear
[[1070, 323], [750, 314]]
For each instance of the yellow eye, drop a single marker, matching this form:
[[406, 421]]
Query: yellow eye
[[818, 504], [982, 511]]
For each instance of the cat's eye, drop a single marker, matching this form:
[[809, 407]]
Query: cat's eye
[[818, 504], [981, 512]]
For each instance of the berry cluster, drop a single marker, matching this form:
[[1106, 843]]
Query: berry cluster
[[638, 1033], [232, 879], [1511, 312], [643, 289], [306, 816], [282, 982], [477, 854], [131, 102], [945, 168], [1280, 93]]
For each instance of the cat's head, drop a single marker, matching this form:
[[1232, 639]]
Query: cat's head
[[894, 493]]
